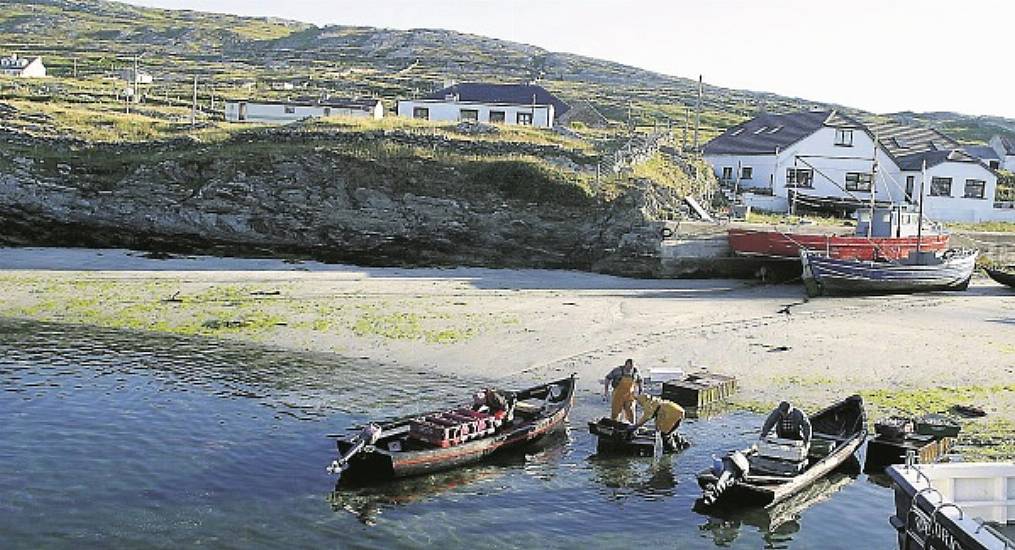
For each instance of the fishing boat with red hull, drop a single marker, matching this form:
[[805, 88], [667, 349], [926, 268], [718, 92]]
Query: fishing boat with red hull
[[892, 234], [778, 244], [441, 440]]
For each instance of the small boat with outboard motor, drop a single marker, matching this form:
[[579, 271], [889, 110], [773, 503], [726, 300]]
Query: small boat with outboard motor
[[749, 478]]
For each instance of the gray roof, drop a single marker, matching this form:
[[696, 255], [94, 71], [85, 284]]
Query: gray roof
[[902, 141], [513, 94], [983, 152], [340, 103], [765, 133], [1007, 144], [914, 162]]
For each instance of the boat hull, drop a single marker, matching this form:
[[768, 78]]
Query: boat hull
[[776, 244], [1006, 278], [830, 276], [377, 464]]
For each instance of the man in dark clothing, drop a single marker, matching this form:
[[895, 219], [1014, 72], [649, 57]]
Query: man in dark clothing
[[789, 423]]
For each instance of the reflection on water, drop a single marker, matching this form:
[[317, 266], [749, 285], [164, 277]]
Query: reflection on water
[[115, 439]]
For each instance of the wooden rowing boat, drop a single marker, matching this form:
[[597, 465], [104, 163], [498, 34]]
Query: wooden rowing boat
[[922, 272], [394, 454], [844, 424], [1005, 276]]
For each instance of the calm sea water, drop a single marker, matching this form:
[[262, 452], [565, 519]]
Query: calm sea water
[[115, 439]]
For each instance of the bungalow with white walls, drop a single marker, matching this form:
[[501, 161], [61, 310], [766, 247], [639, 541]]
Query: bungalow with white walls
[[824, 159], [521, 104], [285, 112], [807, 156], [21, 67], [1005, 148]]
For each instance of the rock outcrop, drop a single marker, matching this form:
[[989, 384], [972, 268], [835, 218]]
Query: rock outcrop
[[311, 201]]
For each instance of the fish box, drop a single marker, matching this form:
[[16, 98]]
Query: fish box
[[883, 452], [699, 390], [782, 449], [772, 466], [938, 426]]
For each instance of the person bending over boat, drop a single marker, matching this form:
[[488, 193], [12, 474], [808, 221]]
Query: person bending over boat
[[789, 423], [667, 415], [494, 403], [626, 384]]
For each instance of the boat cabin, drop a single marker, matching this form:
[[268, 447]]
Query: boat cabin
[[893, 221], [955, 505]]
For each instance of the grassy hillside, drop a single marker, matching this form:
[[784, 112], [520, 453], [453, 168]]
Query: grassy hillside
[[240, 57]]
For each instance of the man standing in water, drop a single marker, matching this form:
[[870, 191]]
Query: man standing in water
[[667, 415], [626, 383], [789, 423]]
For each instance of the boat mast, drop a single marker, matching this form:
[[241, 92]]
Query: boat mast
[[874, 188], [919, 216]]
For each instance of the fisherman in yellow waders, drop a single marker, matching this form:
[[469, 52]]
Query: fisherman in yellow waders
[[667, 415], [626, 383]]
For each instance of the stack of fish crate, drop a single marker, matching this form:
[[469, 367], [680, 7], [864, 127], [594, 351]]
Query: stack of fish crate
[[780, 457], [699, 389]]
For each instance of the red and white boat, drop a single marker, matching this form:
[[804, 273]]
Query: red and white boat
[[893, 237]]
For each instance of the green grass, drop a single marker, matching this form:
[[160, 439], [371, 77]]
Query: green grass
[[988, 227]]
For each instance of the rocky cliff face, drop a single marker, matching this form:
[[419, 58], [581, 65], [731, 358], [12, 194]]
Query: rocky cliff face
[[311, 201]]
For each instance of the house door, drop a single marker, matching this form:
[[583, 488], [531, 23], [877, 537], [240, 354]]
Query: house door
[[243, 112]]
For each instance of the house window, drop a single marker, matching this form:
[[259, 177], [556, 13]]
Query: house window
[[525, 119], [497, 117], [327, 111], [857, 181], [994, 164], [421, 113], [468, 115], [746, 172], [910, 187], [727, 173], [941, 187], [290, 110], [975, 189], [799, 177], [844, 138]]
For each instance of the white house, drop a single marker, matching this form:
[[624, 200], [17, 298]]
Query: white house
[[141, 77], [284, 112], [1005, 149], [21, 67], [825, 160], [522, 104]]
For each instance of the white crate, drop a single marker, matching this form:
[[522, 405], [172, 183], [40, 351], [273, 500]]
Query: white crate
[[782, 449]]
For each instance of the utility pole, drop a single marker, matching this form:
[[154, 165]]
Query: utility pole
[[193, 106], [75, 67], [697, 113], [687, 128]]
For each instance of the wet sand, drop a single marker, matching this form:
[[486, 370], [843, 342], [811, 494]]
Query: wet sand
[[534, 324]]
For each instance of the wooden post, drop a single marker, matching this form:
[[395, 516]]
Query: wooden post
[[697, 113], [919, 216], [193, 106]]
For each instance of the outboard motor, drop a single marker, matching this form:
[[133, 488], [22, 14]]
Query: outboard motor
[[368, 436], [728, 470]]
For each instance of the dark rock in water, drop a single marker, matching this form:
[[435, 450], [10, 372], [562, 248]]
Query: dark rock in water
[[969, 411]]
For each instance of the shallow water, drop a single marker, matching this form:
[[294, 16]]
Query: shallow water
[[116, 439]]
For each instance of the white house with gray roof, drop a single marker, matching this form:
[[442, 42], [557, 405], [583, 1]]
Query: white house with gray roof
[[22, 67], [1005, 148], [823, 159], [288, 111], [521, 104]]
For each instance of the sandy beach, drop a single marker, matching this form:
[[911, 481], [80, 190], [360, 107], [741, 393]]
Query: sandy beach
[[910, 353]]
